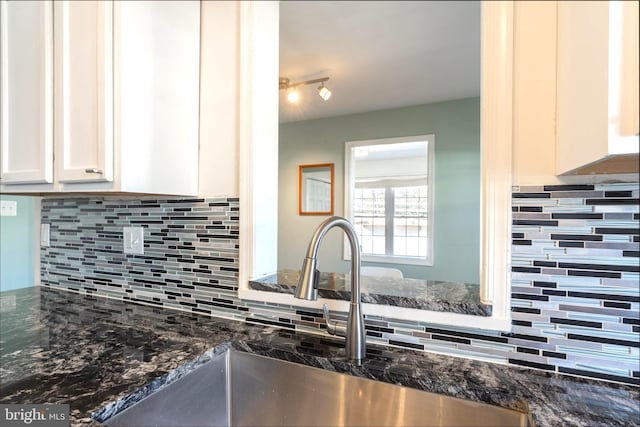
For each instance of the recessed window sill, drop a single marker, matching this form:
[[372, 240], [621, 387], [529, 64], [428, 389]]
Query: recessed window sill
[[433, 295]]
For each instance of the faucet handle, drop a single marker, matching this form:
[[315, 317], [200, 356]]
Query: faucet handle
[[333, 327]]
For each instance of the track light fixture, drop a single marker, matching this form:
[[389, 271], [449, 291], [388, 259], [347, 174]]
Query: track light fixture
[[292, 88]]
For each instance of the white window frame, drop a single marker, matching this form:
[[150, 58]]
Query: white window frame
[[349, 184]]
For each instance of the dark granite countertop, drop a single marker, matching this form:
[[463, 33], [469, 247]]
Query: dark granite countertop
[[433, 295], [59, 347]]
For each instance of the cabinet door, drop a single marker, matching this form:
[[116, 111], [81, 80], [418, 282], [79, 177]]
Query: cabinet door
[[597, 87], [26, 92], [83, 58]]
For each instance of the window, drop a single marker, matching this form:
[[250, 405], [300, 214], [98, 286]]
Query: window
[[369, 219], [389, 198], [410, 221]]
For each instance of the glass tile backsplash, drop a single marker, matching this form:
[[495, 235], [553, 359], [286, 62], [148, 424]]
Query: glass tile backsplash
[[575, 274]]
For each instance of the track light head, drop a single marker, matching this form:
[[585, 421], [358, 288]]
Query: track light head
[[324, 92], [293, 96]]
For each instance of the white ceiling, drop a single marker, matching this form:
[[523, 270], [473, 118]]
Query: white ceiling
[[378, 54]]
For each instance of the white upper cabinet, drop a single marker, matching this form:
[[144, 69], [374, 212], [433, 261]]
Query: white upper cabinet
[[125, 97], [26, 92], [597, 87]]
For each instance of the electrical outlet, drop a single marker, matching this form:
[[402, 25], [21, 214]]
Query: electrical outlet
[[45, 235], [133, 240], [8, 208]]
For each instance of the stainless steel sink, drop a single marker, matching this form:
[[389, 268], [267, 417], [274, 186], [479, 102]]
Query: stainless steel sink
[[242, 389]]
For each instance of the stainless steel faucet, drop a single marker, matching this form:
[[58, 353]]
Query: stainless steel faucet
[[308, 287]]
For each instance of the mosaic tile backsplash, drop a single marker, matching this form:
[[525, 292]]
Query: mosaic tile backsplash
[[575, 275]]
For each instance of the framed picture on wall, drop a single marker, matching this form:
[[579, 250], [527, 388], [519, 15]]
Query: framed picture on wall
[[315, 189]]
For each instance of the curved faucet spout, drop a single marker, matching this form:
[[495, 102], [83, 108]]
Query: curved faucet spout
[[308, 283]]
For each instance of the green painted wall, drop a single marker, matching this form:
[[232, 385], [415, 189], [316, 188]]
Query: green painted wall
[[17, 244], [456, 125]]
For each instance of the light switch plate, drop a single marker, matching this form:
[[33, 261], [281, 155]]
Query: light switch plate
[[45, 235], [133, 240], [8, 208]]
